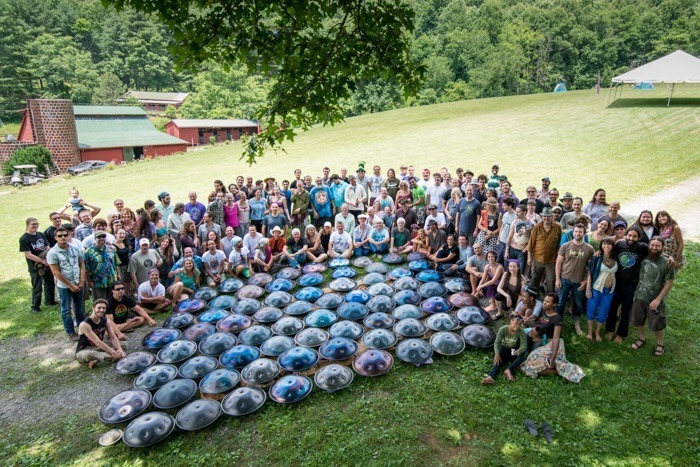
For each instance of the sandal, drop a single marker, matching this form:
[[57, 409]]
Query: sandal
[[660, 350], [487, 380], [531, 427], [639, 344]]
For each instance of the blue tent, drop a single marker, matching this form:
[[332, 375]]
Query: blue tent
[[644, 86], [561, 87]]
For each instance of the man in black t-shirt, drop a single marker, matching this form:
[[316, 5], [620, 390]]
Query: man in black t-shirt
[[124, 312], [35, 246], [50, 233], [91, 332]]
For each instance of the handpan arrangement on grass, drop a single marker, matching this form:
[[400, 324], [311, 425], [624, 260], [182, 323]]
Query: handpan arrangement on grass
[[227, 351]]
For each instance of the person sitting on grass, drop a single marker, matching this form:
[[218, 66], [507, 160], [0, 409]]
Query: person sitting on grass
[[124, 312], [510, 346], [340, 242], [509, 287], [214, 264], [446, 256], [419, 243], [151, 294], [400, 237], [262, 256], [295, 249], [489, 282], [529, 307], [90, 334], [361, 236], [187, 280], [239, 259]]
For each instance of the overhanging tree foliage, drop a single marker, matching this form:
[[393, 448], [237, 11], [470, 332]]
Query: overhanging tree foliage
[[316, 52]]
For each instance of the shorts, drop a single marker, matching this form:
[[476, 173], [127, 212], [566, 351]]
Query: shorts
[[640, 312], [88, 355]]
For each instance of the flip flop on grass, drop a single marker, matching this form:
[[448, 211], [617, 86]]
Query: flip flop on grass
[[531, 427], [547, 432]]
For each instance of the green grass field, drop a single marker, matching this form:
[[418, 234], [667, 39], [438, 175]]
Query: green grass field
[[631, 409]]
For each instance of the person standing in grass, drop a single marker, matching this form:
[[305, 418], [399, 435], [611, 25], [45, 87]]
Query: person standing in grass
[[600, 285], [570, 269], [510, 346], [542, 247], [66, 263]]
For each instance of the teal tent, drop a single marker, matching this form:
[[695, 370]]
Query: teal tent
[[561, 87], [644, 86]]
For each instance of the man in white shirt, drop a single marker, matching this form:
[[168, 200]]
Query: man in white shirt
[[434, 192], [214, 264], [340, 243], [252, 238], [438, 217], [346, 218], [355, 197], [239, 259], [151, 294]]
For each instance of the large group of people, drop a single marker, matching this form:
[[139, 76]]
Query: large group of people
[[529, 257]]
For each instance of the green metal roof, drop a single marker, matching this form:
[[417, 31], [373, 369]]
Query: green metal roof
[[80, 110], [159, 96], [116, 132]]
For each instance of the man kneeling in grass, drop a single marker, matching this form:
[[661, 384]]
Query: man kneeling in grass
[[124, 313], [90, 335]]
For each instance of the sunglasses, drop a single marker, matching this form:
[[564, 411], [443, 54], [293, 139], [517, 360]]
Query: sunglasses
[[119, 289], [61, 235]]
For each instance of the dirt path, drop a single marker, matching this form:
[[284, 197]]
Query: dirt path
[[679, 201]]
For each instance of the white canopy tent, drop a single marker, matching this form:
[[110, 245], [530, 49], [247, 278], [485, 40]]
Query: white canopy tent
[[677, 67]]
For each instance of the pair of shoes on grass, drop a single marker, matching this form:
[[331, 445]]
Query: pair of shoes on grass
[[547, 431]]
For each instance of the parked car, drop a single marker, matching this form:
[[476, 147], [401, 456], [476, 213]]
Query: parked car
[[26, 175], [86, 167]]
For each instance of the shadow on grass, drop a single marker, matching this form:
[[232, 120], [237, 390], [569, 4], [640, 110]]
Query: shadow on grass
[[16, 319], [684, 102]]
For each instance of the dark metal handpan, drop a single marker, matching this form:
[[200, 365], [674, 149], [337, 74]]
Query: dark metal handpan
[[430, 275], [247, 306], [329, 300], [260, 279], [357, 296], [447, 343], [124, 406], [352, 310], [378, 320], [212, 315], [278, 299], [441, 322], [177, 351], [288, 326], [338, 348], [311, 337], [134, 363], [343, 284], [379, 268], [479, 336], [379, 339], [234, 323], [338, 263], [343, 272], [206, 293], [432, 289], [239, 356], [255, 335], [190, 305], [472, 315], [373, 362], [219, 381], [373, 278], [419, 265], [268, 314], [231, 285], [155, 376], [407, 297], [321, 318], [406, 283], [436, 305], [178, 321], [314, 268], [217, 343], [414, 351], [290, 389], [347, 329], [308, 294], [362, 262], [148, 429], [333, 377], [392, 258], [457, 284], [199, 331], [310, 279], [398, 273], [415, 256], [298, 308], [288, 273], [250, 291], [462, 299], [298, 359], [275, 345], [243, 401], [410, 327], [380, 288], [160, 337], [198, 414], [223, 302], [381, 304], [283, 285], [197, 367], [175, 393], [407, 311], [261, 371]]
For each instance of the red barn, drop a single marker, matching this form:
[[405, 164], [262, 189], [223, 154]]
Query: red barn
[[199, 131], [158, 101]]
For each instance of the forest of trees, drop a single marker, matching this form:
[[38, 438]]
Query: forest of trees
[[81, 50]]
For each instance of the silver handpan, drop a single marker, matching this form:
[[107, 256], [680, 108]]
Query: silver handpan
[[275, 345], [447, 343], [178, 321], [379, 339], [124, 406], [177, 351], [219, 381], [347, 329], [311, 337], [174, 394], [148, 429], [333, 377], [362, 262], [134, 363], [197, 367], [407, 311], [261, 371], [198, 414], [155, 376], [414, 351], [406, 283], [410, 327], [342, 284], [441, 322], [288, 273], [380, 268], [255, 335], [217, 343], [243, 401], [380, 288], [288, 326]]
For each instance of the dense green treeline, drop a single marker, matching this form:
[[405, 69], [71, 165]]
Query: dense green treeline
[[470, 48]]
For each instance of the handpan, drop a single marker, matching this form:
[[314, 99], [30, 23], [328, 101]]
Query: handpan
[[219, 381], [381, 303], [410, 327], [217, 343], [373, 362], [288, 273], [255, 335], [160, 337], [343, 272], [260, 279], [234, 323], [311, 337], [407, 297], [406, 283], [320, 318], [310, 279], [298, 308], [362, 262], [419, 265], [134, 363], [148, 429], [398, 273], [392, 258], [268, 314], [288, 326], [198, 414], [447, 343], [199, 331], [308, 294], [212, 315], [473, 315], [205, 293], [247, 306], [290, 389], [379, 268], [261, 371], [283, 285], [432, 289], [250, 291], [357, 296], [224, 302], [373, 278], [414, 351], [239, 356], [415, 256], [124, 406], [347, 329], [174, 394], [111, 437], [338, 263], [189, 305], [177, 351], [155, 376], [342, 284], [462, 299], [231, 285], [352, 310], [314, 268], [333, 377], [430, 275], [178, 321], [275, 345], [380, 288], [197, 367], [378, 320], [436, 305], [243, 401], [441, 322], [329, 300], [338, 348], [479, 336], [379, 339], [457, 284], [278, 299], [407, 311], [298, 359]]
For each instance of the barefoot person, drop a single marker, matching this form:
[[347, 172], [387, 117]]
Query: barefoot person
[[510, 346], [124, 312], [90, 334], [600, 286]]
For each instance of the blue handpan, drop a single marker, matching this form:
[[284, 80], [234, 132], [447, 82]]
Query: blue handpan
[[310, 279], [288, 273], [255, 335], [217, 343], [338, 263], [432, 289], [197, 367], [205, 293], [247, 306], [406, 283], [300, 307], [347, 329], [343, 272], [190, 305], [283, 285], [314, 268], [420, 265], [381, 303], [308, 294], [178, 321], [224, 302], [430, 275], [275, 345], [175, 393], [212, 316], [311, 337], [398, 273], [380, 288], [407, 297], [373, 362], [290, 389], [407, 311], [379, 339], [231, 285], [234, 323], [436, 305], [267, 314], [378, 320], [373, 278], [239, 356], [352, 310], [160, 337], [330, 300], [472, 315], [357, 296], [338, 348], [298, 359], [392, 258], [320, 318], [479, 336]]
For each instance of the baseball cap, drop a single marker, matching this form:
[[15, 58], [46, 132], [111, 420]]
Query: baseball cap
[[100, 234], [236, 241], [619, 224], [328, 224], [545, 179], [144, 241], [163, 194]]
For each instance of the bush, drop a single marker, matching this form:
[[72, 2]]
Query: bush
[[212, 139], [160, 122], [37, 155]]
